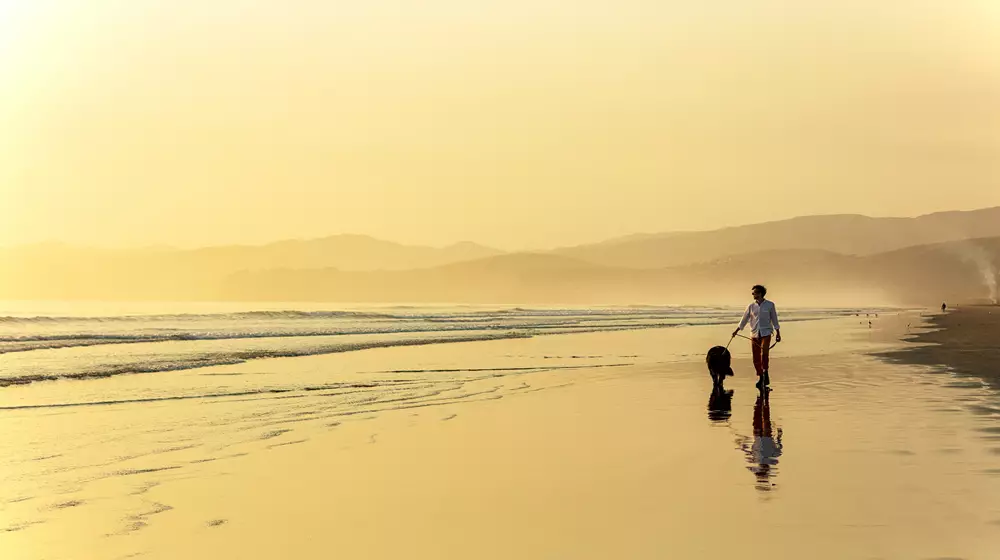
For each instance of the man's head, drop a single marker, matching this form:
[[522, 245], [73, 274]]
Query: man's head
[[758, 292]]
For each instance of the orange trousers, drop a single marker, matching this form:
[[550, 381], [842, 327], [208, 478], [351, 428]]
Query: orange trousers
[[761, 347]]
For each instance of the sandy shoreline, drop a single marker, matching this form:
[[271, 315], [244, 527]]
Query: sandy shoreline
[[963, 340], [850, 457]]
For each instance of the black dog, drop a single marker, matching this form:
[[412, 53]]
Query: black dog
[[718, 360]]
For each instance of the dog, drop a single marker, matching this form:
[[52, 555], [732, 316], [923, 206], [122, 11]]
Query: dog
[[718, 360]]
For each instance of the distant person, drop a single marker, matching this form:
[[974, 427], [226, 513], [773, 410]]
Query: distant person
[[763, 319], [943, 307]]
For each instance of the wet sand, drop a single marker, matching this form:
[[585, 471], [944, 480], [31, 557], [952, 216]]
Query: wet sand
[[965, 340], [602, 445]]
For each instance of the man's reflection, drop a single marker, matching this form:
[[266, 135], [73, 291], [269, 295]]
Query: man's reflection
[[763, 452]]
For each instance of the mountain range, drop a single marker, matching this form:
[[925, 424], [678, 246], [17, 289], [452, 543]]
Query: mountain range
[[922, 275], [847, 234], [813, 260]]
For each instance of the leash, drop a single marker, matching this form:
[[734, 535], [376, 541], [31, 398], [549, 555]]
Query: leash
[[751, 340]]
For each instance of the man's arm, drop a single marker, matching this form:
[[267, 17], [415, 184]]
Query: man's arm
[[743, 322], [774, 322]]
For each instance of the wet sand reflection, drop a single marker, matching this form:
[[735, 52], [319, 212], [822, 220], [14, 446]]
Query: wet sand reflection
[[763, 450], [720, 404]]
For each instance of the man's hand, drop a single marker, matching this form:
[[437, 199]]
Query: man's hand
[[736, 332], [778, 339]]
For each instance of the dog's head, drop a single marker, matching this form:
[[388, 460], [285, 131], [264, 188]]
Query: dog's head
[[718, 360]]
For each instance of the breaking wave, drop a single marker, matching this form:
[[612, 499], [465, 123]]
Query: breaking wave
[[89, 347]]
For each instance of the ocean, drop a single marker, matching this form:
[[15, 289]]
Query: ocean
[[47, 341]]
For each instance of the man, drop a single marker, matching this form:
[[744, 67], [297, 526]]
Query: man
[[763, 319]]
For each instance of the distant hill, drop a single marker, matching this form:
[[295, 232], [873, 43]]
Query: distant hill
[[844, 234], [821, 260], [57, 271], [953, 271], [345, 252]]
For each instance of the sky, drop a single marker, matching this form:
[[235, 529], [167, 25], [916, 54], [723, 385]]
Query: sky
[[514, 123]]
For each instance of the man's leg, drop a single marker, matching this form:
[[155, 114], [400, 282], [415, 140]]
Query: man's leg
[[765, 351], [755, 350]]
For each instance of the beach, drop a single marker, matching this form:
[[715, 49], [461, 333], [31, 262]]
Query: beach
[[605, 444], [962, 340], [442, 280]]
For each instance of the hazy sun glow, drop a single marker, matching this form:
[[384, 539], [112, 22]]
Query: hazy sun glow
[[514, 123]]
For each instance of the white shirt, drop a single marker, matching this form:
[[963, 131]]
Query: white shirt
[[763, 318]]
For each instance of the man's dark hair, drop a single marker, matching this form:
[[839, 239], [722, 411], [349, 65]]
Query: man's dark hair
[[761, 289]]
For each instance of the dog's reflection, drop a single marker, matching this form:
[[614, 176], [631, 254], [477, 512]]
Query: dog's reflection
[[720, 404]]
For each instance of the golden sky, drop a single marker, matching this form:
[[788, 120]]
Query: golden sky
[[517, 123]]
